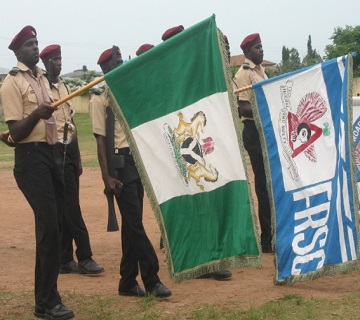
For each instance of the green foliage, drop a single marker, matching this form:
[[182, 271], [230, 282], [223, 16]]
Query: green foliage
[[312, 57], [290, 60], [345, 40]]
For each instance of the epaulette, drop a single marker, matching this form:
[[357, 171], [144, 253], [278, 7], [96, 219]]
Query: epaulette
[[98, 91], [246, 66], [14, 71]]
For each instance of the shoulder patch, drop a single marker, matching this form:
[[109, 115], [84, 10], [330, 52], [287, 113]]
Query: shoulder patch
[[98, 91], [14, 71], [246, 65]]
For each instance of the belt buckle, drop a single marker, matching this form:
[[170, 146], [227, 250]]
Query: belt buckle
[[116, 150]]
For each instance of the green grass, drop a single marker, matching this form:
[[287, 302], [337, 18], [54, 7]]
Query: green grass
[[87, 144], [94, 307]]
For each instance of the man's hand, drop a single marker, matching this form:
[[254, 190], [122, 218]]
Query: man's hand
[[112, 185], [45, 110], [4, 137]]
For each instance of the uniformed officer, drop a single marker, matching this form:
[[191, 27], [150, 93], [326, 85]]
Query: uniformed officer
[[26, 97], [250, 72], [137, 249], [73, 226]]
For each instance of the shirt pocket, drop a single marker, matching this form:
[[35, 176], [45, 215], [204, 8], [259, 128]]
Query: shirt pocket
[[30, 102]]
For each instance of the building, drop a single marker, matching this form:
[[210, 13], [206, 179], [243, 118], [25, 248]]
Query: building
[[237, 61]]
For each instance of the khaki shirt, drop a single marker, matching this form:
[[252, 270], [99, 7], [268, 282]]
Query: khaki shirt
[[247, 76], [98, 104], [64, 112], [19, 100]]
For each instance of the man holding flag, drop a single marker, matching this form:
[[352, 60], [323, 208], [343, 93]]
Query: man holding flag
[[250, 72]]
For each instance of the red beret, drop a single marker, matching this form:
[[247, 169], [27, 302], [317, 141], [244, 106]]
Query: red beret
[[145, 47], [249, 41], [25, 34], [171, 32], [107, 55], [51, 51]]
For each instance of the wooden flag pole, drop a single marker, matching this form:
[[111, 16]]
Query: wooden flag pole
[[78, 91], [72, 95], [242, 89]]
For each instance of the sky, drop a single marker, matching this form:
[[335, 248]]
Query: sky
[[85, 28]]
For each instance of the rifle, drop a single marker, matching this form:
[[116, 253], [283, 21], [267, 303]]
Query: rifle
[[112, 220], [110, 157]]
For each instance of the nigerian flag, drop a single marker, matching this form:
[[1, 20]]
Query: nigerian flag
[[176, 105]]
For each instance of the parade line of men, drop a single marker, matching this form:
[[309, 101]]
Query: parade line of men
[[48, 166]]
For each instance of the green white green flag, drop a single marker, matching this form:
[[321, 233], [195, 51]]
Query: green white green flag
[[176, 104]]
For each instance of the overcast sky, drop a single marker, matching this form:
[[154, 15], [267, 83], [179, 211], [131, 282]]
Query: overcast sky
[[85, 28]]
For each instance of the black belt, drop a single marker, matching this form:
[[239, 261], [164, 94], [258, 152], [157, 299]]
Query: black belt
[[35, 144], [122, 151]]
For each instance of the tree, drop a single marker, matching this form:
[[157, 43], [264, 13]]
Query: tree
[[290, 60], [312, 57], [345, 40]]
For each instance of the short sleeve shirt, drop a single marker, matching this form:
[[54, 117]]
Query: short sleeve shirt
[[19, 100], [247, 76], [98, 104]]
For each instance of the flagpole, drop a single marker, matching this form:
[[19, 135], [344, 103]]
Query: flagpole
[[78, 91], [243, 89], [72, 95]]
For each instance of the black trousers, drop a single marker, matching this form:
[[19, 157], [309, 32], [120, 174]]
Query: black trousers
[[138, 252], [38, 174], [73, 226], [253, 147]]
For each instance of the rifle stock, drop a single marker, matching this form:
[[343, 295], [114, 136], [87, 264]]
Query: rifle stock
[[112, 224]]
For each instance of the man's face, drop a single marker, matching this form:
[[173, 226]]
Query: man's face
[[119, 60], [256, 53], [109, 65], [28, 53], [56, 61]]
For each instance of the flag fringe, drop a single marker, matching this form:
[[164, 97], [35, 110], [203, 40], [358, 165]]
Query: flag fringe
[[238, 128], [143, 174], [324, 271]]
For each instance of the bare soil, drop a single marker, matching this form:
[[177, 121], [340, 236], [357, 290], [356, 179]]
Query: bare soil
[[248, 286]]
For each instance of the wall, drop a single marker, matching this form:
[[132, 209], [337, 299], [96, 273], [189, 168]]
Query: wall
[[81, 103], [356, 87]]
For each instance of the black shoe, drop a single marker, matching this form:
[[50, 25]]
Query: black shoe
[[89, 266], [70, 267], [135, 291], [39, 311], [160, 291], [217, 275], [59, 312]]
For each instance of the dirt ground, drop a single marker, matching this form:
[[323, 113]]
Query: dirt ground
[[248, 286]]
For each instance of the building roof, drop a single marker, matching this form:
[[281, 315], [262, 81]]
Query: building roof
[[237, 61]]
